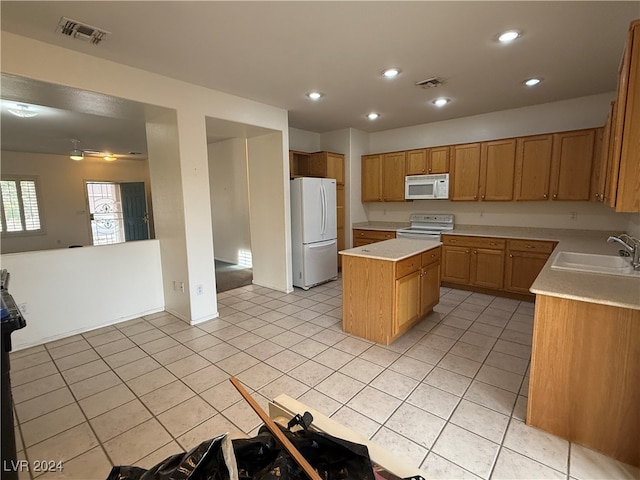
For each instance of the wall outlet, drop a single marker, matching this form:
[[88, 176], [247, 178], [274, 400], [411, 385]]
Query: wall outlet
[[199, 289], [574, 215], [23, 308], [182, 287]]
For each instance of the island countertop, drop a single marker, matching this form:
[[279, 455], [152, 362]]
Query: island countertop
[[392, 250]]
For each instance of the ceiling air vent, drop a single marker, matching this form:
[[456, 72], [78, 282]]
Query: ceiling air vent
[[430, 83], [75, 29]]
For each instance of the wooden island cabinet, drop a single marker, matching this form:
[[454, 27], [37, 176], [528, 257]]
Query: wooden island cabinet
[[389, 286]]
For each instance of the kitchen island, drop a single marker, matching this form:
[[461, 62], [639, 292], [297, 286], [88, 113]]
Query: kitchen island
[[389, 286]]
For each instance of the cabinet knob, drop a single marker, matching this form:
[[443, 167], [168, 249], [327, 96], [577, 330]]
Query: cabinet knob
[[466, 251], [482, 197], [511, 255], [555, 195], [597, 195], [475, 197], [475, 252], [429, 170], [545, 195]]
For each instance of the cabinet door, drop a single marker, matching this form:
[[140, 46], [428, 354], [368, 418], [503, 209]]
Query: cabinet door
[[533, 167], [372, 178], [417, 162], [626, 152], [599, 171], [521, 270], [571, 165], [487, 267], [465, 171], [335, 167], [393, 169], [429, 287], [438, 160], [455, 264], [407, 301], [497, 165]]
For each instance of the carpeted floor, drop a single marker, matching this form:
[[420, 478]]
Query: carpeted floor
[[230, 276]]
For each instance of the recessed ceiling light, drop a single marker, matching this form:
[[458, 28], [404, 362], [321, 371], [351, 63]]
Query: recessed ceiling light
[[373, 115], [391, 72], [508, 36], [532, 82], [22, 111], [441, 102], [315, 95]]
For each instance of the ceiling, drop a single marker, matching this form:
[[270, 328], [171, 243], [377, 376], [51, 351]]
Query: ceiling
[[276, 52]]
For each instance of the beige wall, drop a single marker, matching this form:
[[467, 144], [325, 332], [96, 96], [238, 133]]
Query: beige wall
[[63, 198], [186, 238], [268, 191], [229, 199]]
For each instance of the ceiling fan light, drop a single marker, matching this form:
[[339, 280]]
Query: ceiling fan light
[[391, 72], [76, 155], [22, 111]]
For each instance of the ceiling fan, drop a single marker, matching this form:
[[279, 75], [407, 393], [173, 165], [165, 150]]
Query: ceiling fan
[[78, 154]]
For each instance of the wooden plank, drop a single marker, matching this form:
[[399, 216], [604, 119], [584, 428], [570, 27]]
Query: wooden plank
[[275, 430]]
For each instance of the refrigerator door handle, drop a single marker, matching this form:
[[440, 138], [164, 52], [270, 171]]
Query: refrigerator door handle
[[323, 200], [326, 243]]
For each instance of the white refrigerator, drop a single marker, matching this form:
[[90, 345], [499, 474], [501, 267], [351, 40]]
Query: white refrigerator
[[313, 231]]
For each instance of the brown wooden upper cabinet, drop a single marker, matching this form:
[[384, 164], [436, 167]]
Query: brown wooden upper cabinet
[[571, 163], [497, 166], [427, 161], [383, 177], [533, 167], [483, 171], [328, 165], [623, 184], [465, 172]]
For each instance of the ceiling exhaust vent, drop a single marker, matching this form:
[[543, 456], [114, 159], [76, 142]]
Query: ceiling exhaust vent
[[75, 29], [430, 83]]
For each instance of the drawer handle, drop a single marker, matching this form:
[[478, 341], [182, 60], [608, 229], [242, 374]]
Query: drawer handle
[[492, 243], [529, 246], [453, 240], [362, 234]]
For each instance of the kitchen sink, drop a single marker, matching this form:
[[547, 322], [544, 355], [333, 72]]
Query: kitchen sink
[[593, 263]]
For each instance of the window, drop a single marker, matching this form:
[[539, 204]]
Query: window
[[20, 210]]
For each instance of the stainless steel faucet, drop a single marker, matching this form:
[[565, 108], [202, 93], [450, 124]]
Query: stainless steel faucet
[[632, 245]]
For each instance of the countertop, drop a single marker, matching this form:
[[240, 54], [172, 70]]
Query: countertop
[[599, 288], [392, 250]]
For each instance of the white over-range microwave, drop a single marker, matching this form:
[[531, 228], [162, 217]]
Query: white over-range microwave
[[427, 187]]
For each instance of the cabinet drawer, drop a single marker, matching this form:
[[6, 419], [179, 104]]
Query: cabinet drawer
[[479, 242], [407, 266], [374, 234], [531, 246], [432, 256]]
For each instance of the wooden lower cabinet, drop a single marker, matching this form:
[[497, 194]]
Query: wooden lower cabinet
[[382, 299], [496, 264], [475, 261], [365, 237], [487, 266], [525, 259], [585, 367]]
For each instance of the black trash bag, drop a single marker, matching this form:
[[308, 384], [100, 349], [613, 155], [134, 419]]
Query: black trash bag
[[260, 458], [263, 458], [204, 462]]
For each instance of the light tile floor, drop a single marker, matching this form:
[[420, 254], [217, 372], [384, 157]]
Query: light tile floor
[[450, 395]]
